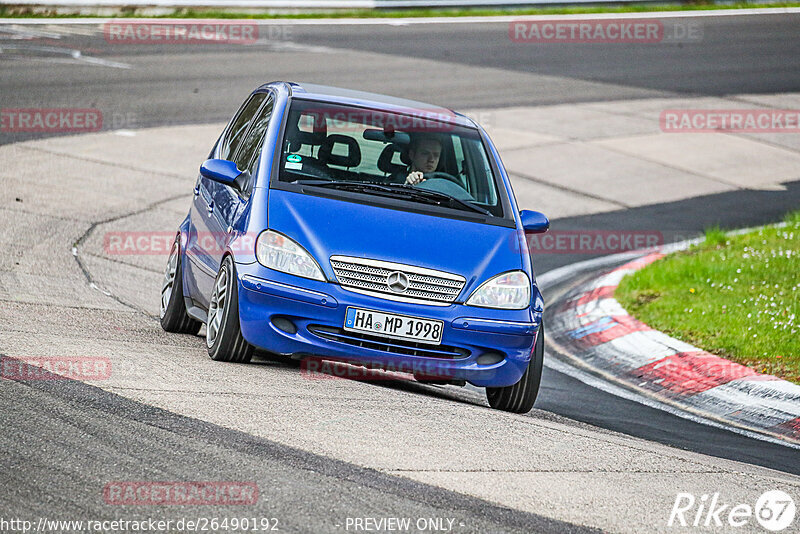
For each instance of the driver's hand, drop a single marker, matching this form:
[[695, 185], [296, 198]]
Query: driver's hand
[[414, 178]]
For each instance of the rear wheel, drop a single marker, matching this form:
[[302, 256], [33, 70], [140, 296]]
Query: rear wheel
[[173, 309], [520, 397], [223, 334]]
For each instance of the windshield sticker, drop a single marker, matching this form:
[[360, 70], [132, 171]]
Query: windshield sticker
[[293, 165], [294, 158]]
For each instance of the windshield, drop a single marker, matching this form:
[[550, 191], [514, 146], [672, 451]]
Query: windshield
[[417, 158]]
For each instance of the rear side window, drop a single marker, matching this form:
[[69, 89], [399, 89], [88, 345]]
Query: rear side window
[[239, 125], [250, 148]]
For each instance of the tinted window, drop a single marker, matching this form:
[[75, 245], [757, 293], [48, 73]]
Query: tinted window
[[330, 143], [239, 125], [248, 153]]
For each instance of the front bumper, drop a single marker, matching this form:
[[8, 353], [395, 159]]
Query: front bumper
[[289, 315]]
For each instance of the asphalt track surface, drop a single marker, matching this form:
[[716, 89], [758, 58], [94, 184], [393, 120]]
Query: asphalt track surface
[[202, 84], [303, 492], [173, 84]]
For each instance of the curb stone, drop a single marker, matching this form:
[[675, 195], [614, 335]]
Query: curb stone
[[598, 331]]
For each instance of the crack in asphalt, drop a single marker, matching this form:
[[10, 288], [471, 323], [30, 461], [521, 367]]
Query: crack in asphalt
[[91, 400], [100, 161], [570, 190], [86, 272], [675, 167], [39, 214], [121, 262]]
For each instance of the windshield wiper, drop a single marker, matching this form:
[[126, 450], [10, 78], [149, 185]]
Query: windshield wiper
[[353, 186], [371, 187], [402, 192], [427, 193]]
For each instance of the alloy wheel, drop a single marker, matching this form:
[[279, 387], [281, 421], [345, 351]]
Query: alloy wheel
[[169, 279], [216, 307]]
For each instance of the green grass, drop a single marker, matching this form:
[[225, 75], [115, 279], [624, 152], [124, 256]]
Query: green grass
[[734, 296], [29, 12]]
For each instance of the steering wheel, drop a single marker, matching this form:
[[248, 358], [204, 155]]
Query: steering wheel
[[444, 176]]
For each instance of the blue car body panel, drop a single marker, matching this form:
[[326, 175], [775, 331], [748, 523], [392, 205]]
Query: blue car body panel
[[327, 227], [221, 222]]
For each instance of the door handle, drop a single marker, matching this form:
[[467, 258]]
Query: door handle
[[211, 207], [196, 190]]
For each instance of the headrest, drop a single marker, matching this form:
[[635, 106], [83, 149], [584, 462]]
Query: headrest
[[351, 159], [297, 137], [404, 157], [385, 164]]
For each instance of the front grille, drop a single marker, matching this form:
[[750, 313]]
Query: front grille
[[372, 276], [393, 346]]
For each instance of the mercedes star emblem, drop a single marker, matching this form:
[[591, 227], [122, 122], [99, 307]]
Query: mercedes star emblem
[[397, 282]]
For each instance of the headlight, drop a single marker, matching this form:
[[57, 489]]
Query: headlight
[[278, 252], [508, 291]]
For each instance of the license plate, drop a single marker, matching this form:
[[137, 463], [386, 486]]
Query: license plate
[[393, 325]]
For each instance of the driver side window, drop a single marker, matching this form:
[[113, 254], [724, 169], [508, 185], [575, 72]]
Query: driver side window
[[247, 155], [239, 126]]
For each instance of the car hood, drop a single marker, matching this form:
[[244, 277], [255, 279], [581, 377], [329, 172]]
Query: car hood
[[326, 227]]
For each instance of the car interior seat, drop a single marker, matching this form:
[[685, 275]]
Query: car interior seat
[[385, 161], [296, 137], [330, 153]]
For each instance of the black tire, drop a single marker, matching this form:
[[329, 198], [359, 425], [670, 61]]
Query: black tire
[[224, 337], [520, 397], [173, 309]]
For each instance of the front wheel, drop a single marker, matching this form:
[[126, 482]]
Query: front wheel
[[173, 310], [223, 334], [520, 397]]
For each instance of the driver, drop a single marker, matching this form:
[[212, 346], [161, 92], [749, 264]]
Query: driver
[[424, 153]]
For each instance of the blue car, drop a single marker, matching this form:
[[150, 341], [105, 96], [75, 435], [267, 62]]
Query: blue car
[[353, 227]]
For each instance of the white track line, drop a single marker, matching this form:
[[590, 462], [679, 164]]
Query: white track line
[[63, 55], [431, 20]]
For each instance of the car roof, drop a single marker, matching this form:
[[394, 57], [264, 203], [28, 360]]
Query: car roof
[[326, 93]]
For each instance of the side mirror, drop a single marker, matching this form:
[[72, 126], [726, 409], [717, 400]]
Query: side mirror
[[220, 170], [534, 222]]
